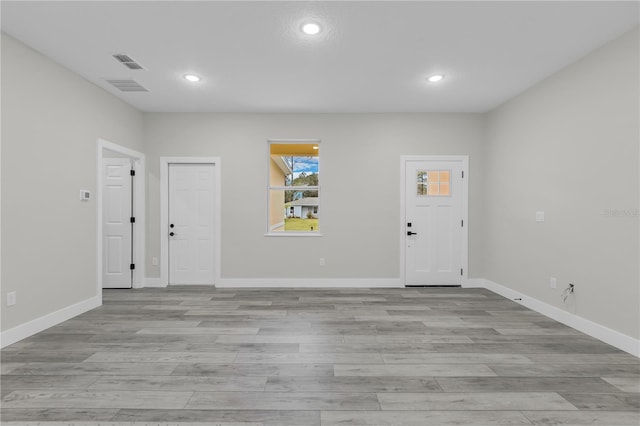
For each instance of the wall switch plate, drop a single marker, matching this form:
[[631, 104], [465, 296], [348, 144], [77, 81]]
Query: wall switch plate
[[540, 216], [322, 261], [85, 195], [154, 261], [553, 282], [11, 298]]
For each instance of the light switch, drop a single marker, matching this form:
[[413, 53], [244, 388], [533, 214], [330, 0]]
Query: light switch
[[11, 298], [539, 216]]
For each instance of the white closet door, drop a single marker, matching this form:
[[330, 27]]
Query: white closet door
[[116, 214], [191, 223]]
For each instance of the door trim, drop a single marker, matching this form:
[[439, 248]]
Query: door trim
[[464, 159], [124, 280], [139, 196], [164, 212]]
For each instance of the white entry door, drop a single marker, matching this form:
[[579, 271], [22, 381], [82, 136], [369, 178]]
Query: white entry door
[[116, 226], [191, 223], [433, 230]]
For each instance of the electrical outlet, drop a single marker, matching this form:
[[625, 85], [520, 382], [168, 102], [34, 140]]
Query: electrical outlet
[[11, 298], [154, 261], [540, 216], [322, 261], [553, 282]]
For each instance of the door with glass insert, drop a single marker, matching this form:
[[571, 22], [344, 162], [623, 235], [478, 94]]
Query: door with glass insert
[[433, 222]]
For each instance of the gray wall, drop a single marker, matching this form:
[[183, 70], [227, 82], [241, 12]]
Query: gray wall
[[359, 178], [569, 146], [51, 119]]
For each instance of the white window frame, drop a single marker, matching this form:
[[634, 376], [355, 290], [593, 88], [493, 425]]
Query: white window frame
[[270, 188]]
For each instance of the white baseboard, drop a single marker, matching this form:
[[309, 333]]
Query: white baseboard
[[297, 282], [310, 282], [473, 283], [598, 331], [607, 335], [152, 282], [22, 331]]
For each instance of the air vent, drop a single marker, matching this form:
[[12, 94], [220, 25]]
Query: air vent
[[127, 85], [133, 66], [127, 61]]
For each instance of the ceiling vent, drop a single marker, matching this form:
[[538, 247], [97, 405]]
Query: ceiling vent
[[127, 61], [127, 85]]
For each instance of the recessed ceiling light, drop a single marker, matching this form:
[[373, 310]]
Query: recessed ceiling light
[[311, 28], [192, 78], [435, 78]]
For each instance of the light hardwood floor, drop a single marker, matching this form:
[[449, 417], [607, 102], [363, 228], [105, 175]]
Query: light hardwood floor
[[416, 356]]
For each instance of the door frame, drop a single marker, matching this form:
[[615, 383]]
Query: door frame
[[138, 236], [464, 160], [164, 212]]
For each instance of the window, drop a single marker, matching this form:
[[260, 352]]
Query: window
[[294, 188], [434, 183]]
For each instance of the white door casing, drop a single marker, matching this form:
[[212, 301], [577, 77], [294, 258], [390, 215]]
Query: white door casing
[[106, 150], [191, 230], [434, 234], [117, 235]]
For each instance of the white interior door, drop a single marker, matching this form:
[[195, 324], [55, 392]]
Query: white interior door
[[191, 223], [433, 222], [116, 216]]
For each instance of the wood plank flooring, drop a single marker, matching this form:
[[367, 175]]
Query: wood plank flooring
[[416, 356]]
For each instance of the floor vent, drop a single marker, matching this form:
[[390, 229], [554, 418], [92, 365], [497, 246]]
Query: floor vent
[[127, 61], [127, 85]]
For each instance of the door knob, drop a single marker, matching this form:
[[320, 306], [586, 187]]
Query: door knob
[[171, 234], [171, 226], [411, 233]]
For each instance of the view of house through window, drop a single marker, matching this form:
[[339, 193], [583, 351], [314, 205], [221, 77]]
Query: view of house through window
[[293, 187], [434, 183]]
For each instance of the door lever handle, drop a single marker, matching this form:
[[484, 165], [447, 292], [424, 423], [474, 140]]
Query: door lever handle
[[411, 233]]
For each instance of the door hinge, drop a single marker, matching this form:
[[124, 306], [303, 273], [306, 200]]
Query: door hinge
[[132, 266], [463, 174], [462, 223], [133, 172], [461, 272], [132, 220]]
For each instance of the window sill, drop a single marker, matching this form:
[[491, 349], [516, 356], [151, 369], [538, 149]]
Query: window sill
[[293, 234]]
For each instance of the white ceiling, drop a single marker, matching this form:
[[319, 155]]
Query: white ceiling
[[370, 57]]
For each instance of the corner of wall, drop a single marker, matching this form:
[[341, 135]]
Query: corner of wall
[[22, 331], [543, 148], [598, 331]]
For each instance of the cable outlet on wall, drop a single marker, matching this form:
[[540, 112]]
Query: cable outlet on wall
[[11, 298], [322, 261], [154, 261], [553, 282]]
